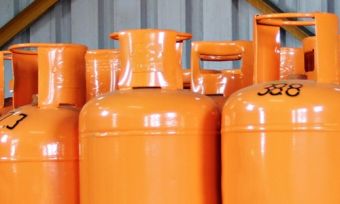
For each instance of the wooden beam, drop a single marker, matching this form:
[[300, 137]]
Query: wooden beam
[[23, 19], [265, 6]]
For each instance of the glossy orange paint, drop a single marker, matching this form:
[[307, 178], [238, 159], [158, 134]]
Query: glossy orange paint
[[5, 103], [280, 139], [102, 69], [186, 74], [308, 50], [220, 84], [150, 78], [25, 75], [186, 79], [150, 141], [39, 142], [292, 63]]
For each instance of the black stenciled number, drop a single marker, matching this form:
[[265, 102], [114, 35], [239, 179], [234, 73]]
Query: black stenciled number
[[23, 116], [293, 90], [273, 89], [276, 89]]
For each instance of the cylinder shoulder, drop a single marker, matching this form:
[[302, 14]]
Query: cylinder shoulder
[[298, 102], [31, 133], [147, 108]]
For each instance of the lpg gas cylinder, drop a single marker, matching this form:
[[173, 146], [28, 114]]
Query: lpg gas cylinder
[[149, 142], [280, 139], [102, 69], [220, 84], [39, 142], [292, 63], [5, 103], [25, 74]]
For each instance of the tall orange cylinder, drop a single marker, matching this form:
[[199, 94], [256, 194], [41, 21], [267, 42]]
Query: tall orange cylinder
[[280, 139], [220, 84], [39, 142], [151, 142], [102, 69]]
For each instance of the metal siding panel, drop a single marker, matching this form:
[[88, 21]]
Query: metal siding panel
[[126, 15], [217, 25], [24, 35], [311, 6], [194, 25], [217, 20], [245, 20], [151, 13], [63, 21], [6, 11], [15, 7], [106, 23], [43, 30], [171, 14], [84, 21], [8, 77], [336, 7], [194, 18], [90, 21], [287, 39]]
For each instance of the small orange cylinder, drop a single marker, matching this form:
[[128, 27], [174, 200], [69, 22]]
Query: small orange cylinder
[[280, 139], [149, 142], [102, 69], [220, 84], [39, 142]]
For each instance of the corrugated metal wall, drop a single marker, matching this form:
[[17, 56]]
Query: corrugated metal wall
[[90, 21]]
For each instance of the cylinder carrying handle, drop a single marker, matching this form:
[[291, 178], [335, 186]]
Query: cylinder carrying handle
[[181, 36], [61, 72], [266, 36]]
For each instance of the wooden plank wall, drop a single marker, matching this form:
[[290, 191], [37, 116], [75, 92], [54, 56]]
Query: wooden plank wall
[[90, 21]]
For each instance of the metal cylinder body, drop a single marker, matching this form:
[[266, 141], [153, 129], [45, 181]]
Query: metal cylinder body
[[140, 146], [282, 148], [149, 141], [39, 142]]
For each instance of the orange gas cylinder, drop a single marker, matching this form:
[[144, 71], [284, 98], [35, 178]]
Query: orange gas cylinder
[[220, 84], [292, 63], [39, 143], [280, 139], [25, 74], [102, 69], [5, 103], [149, 142]]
